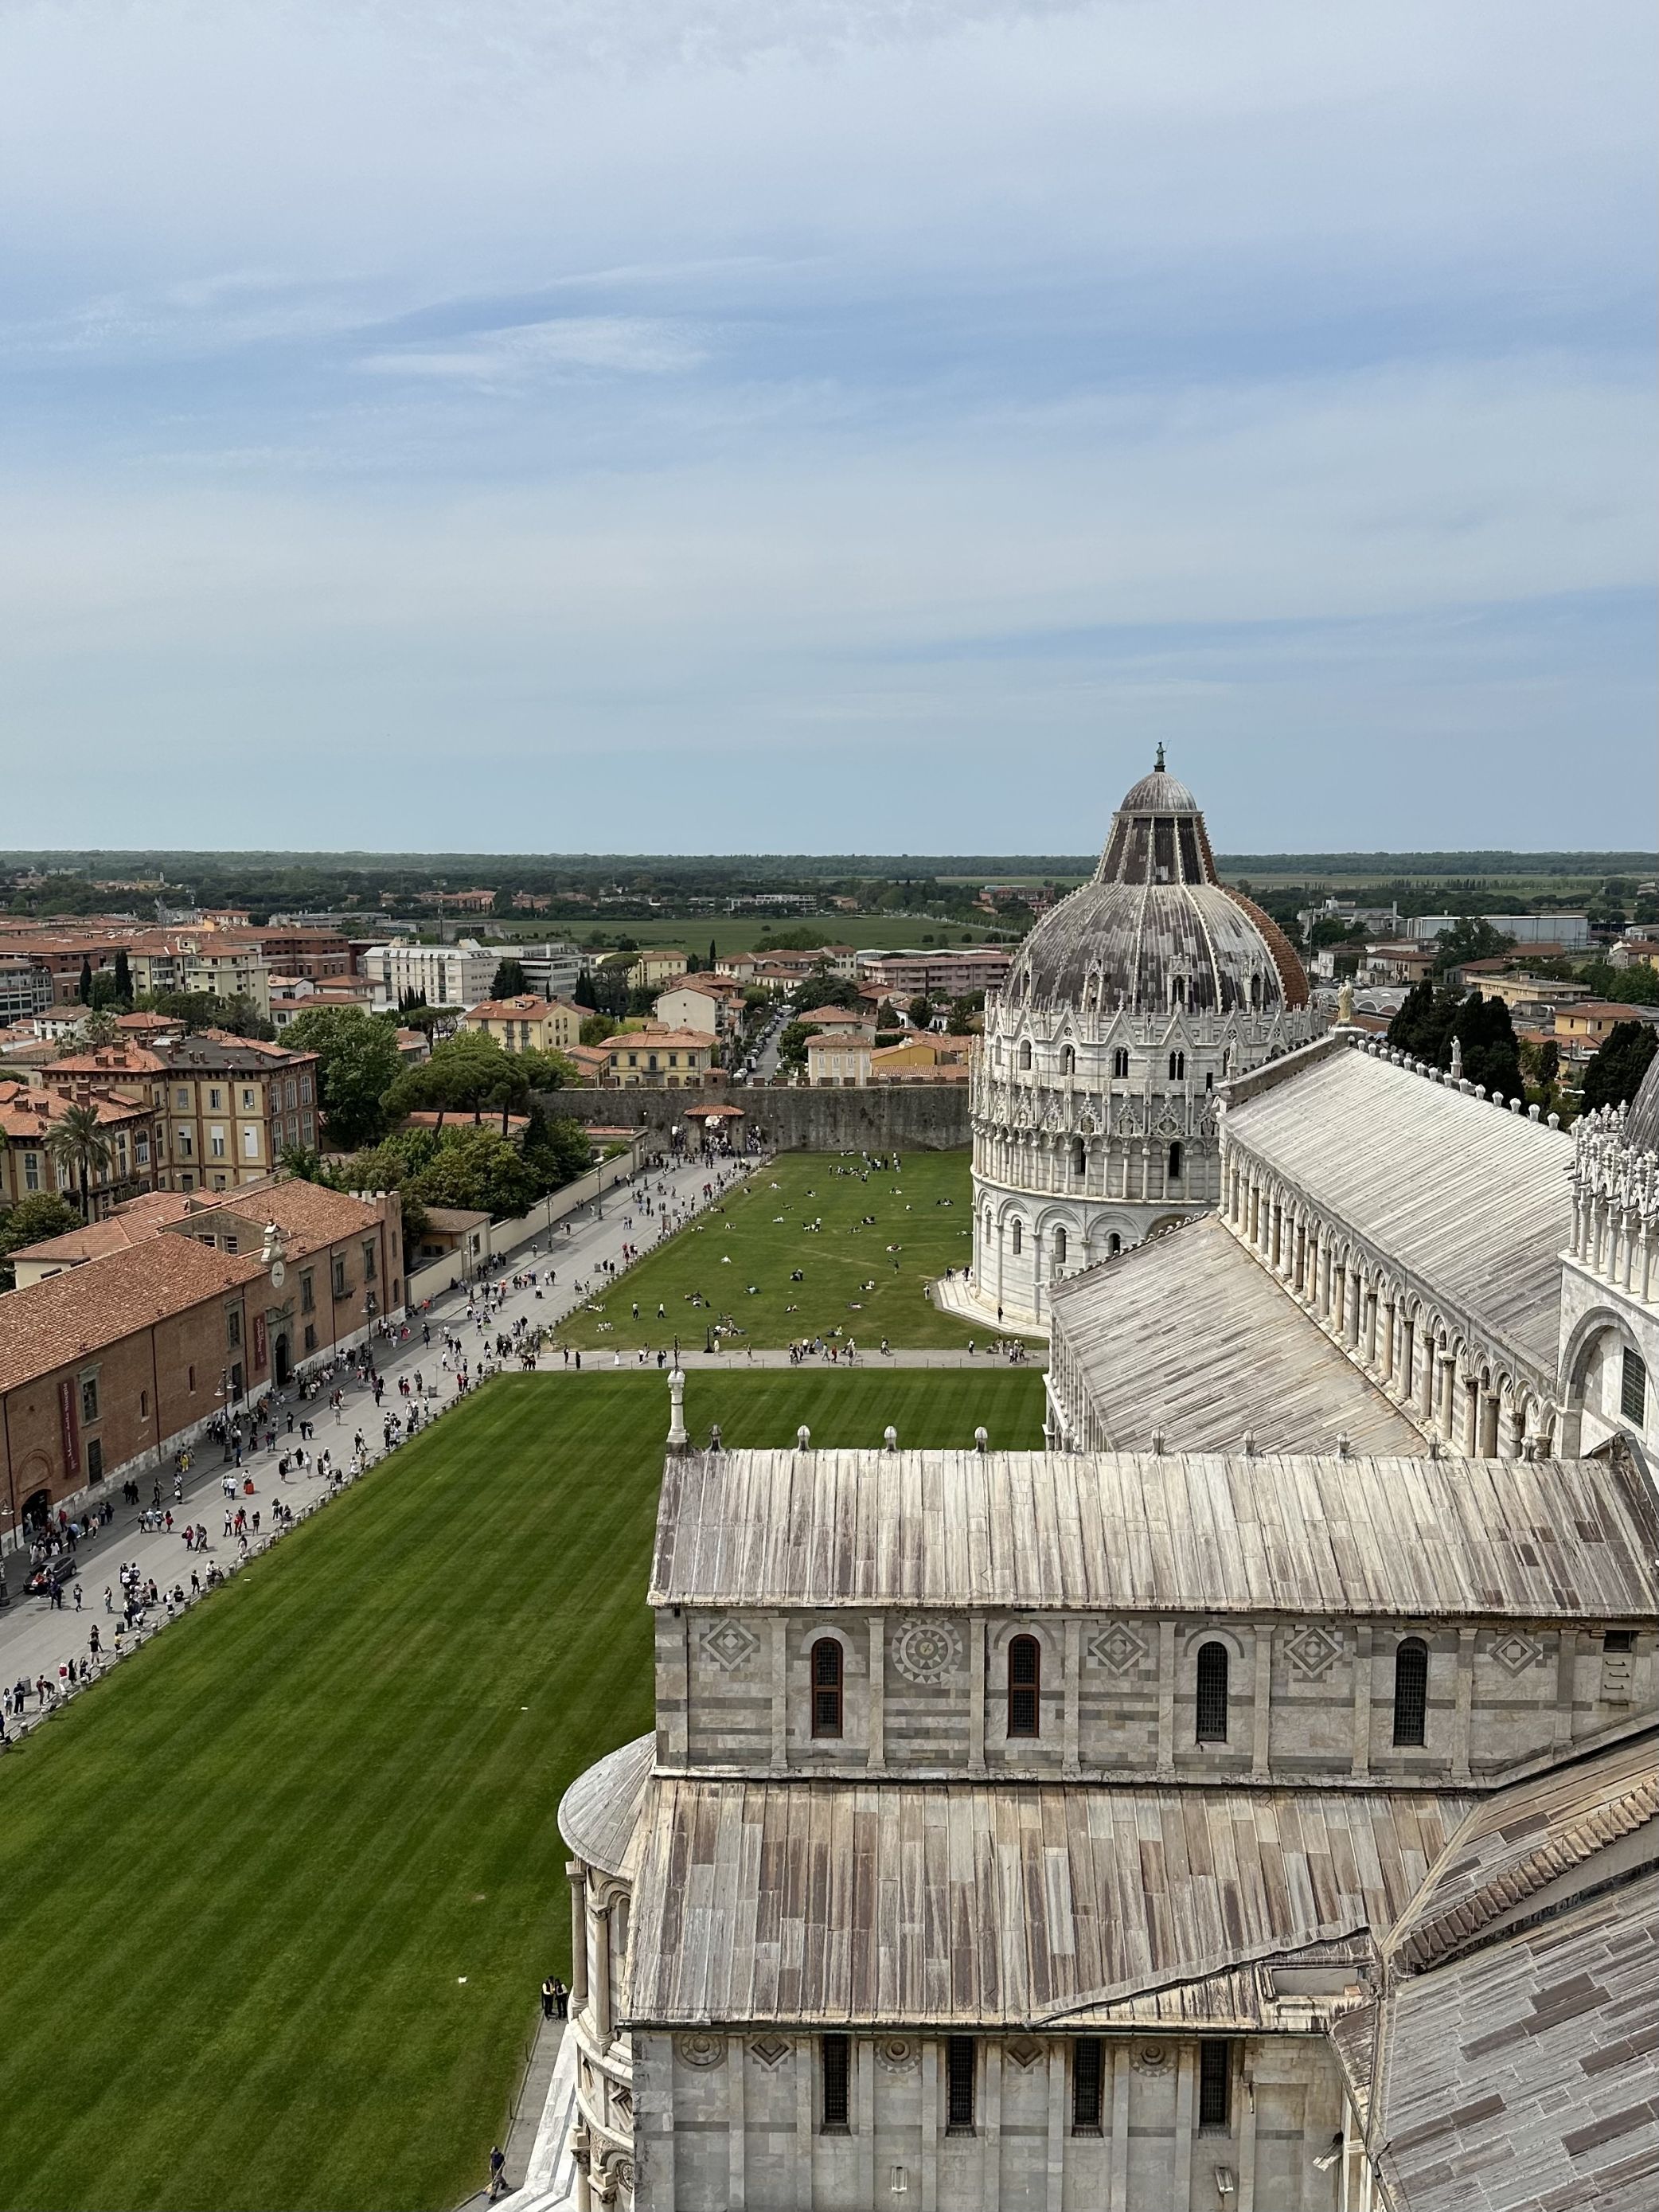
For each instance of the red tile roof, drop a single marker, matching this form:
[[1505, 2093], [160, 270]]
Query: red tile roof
[[135, 1221], [68, 1316]]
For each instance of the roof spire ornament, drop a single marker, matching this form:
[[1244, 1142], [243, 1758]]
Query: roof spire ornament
[[1158, 764]]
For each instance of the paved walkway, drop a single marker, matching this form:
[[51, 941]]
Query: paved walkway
[[536, 2147], [960, 1296]]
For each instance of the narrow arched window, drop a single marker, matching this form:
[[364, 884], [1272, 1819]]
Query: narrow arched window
[[1024, 1684], [1177, 1067], [1256, 993], [1019, 1238], [826, 1687], [1175, 1163], [1211, 1715], [1121, 1063], [1114, 1244], [1067, 1061], [1181, 990], [1079, 1156], [1025, 1054], [1059, 1248], [1411, 1692]]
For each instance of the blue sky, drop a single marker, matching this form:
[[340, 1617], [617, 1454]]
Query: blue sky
[[639, 424]]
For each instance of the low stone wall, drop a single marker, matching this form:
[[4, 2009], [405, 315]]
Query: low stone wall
[[927, 1117]]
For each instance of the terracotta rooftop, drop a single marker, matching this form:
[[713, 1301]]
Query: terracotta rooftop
[[527, 1008], [654, 1039], [64, 1318], [309, 1215], [135, 1221]]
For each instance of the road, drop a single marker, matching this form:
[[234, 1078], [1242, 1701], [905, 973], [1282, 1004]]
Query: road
[[766, 1059]]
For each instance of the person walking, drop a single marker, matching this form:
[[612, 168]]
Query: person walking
[[497, 2173]]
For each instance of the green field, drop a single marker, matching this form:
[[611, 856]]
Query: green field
[[744, 932], [280, 1890], [760, 1229]]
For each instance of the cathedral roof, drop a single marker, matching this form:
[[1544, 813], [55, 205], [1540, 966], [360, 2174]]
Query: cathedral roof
[[1642, 1119], [1155, 927], [1244, 1357], [997, 1903], [599, 1812], [1113, 1532], [1470, 1202]]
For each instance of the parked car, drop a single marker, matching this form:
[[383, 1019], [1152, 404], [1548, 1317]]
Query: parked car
[[47, 1581]]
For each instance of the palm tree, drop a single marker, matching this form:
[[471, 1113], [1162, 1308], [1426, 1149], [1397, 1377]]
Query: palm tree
[[78, 1142]]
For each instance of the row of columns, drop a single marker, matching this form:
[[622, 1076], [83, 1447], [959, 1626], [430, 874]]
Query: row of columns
[[1377, 1328], [591, 2018], [1614, 1242], [1134, 1171]]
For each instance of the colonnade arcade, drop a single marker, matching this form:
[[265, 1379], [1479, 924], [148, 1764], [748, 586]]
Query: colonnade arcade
[[1468, 1392]]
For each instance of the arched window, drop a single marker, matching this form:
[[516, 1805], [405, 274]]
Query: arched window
[[1211, 1693], [1067, 1061], [1025, 1054], [1059, 1248], [1177, 1067], [1114, 1244], [1079, 1157], [1175, 1163], [1411, 1692], [1019, 1238], [1024, 1683], [1120, 1062], [826, 1687], [1256, 993]]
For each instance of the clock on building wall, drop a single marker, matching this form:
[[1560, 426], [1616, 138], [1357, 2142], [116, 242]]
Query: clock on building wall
[[278, 1274]]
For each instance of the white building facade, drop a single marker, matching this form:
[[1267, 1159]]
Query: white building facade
[[1094, 1121], [438, 974]]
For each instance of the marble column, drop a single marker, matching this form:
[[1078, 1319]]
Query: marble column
[[578, 1876], [600, 2008]]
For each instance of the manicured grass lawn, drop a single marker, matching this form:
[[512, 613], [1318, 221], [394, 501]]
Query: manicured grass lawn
[[761, 1227], [279, 1892], [749, 933]]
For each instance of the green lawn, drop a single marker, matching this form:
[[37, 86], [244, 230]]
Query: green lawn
[[751, 932], [761, 1228], [280, 1892]]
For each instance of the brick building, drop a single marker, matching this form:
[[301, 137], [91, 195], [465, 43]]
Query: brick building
[[108, 1365]]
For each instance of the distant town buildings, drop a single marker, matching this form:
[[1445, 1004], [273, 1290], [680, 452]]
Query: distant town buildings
[[527, 1024]]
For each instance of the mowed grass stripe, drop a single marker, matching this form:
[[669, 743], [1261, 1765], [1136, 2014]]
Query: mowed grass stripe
[[245, 1873]]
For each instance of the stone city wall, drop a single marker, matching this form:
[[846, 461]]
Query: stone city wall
[[929, 1117]]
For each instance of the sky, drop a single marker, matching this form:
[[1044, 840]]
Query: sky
[[825, 425]]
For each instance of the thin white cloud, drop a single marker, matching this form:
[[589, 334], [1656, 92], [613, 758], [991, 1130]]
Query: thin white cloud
[[628, 344]]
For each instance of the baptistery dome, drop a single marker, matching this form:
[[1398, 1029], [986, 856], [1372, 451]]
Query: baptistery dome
[[1094, 1092], [1154, 928]]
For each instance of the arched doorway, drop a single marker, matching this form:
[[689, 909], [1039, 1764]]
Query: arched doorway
[[281, 1359], [37, 1508]]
